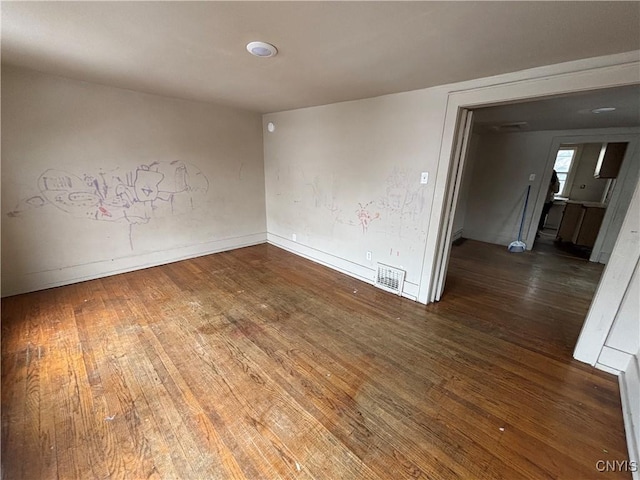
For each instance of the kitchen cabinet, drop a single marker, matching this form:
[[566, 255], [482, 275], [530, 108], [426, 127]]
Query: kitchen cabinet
[[581, 223], [610, 159]]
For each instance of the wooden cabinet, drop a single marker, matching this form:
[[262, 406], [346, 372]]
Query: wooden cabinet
[[570, 220], [590, 226], [610, 159], [581, 223]]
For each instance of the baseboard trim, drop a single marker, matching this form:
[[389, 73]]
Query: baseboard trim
[[630, 425], [31, 282], [342, 265], [614, 359], [605, 368]]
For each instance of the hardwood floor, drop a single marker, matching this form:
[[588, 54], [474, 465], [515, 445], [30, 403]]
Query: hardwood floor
[[259, 364]]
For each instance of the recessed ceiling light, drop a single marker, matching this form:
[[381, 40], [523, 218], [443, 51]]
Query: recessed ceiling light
[[603, 110], [261, 49]]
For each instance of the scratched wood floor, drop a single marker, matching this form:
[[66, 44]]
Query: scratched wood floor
[[259, 364]]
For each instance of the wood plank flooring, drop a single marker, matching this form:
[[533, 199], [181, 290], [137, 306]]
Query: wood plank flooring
[[259, 364]]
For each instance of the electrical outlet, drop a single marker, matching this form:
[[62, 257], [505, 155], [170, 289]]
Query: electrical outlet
[[532, 177], [369, 256], [294, 237], [424, 178]]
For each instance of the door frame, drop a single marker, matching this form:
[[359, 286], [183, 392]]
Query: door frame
[[461, 149]]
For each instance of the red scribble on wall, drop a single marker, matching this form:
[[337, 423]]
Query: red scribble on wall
[[365, 216], [104, 212]]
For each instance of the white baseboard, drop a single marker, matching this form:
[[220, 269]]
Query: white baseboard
[[31, 282], [605, 368], [614, 359], [630, 397], [456, 235], [360, 272], [498, 239]]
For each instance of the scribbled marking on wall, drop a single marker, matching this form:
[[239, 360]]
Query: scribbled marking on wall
[[398, 208], [134, 197], [365, 216], [404, 204]]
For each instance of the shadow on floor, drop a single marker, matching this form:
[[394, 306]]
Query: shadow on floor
[[546, 243]]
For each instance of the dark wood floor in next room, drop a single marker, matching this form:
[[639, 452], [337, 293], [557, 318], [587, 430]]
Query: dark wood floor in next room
[[259, 364]]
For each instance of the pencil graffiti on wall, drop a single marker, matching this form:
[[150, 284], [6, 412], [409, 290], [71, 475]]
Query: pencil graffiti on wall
[[134, 197], [403, 203], [403, 195]]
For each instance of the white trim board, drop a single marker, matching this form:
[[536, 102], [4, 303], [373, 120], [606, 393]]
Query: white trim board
[[613, 286], [605, 368], [355, 270], [30, 282], [613, 358], [630, 396]]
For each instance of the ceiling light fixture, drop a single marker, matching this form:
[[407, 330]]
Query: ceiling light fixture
[[261, 49], [603, 110]]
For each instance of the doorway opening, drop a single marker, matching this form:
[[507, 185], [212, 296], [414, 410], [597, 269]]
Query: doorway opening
[[580, 191], [500, 150]]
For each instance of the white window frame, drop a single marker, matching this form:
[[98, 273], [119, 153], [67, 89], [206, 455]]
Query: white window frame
[[566, 188]]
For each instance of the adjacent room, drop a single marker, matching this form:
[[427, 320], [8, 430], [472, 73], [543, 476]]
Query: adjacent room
[[595, 157], [269, 240]]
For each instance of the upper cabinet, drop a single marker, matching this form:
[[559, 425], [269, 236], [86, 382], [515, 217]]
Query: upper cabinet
[[610, 159]]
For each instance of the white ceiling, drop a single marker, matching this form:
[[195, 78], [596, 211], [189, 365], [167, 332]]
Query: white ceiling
[[329, 51], [567, 112]]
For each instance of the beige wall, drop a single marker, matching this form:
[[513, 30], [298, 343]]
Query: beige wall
[[584, 186], [71, 205], [491, 201], [502, 163], [345, 179]]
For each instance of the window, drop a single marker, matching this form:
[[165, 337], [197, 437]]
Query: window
[[564, 160]]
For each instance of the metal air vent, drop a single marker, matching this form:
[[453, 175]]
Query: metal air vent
[[510, 127], [390, 278]]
